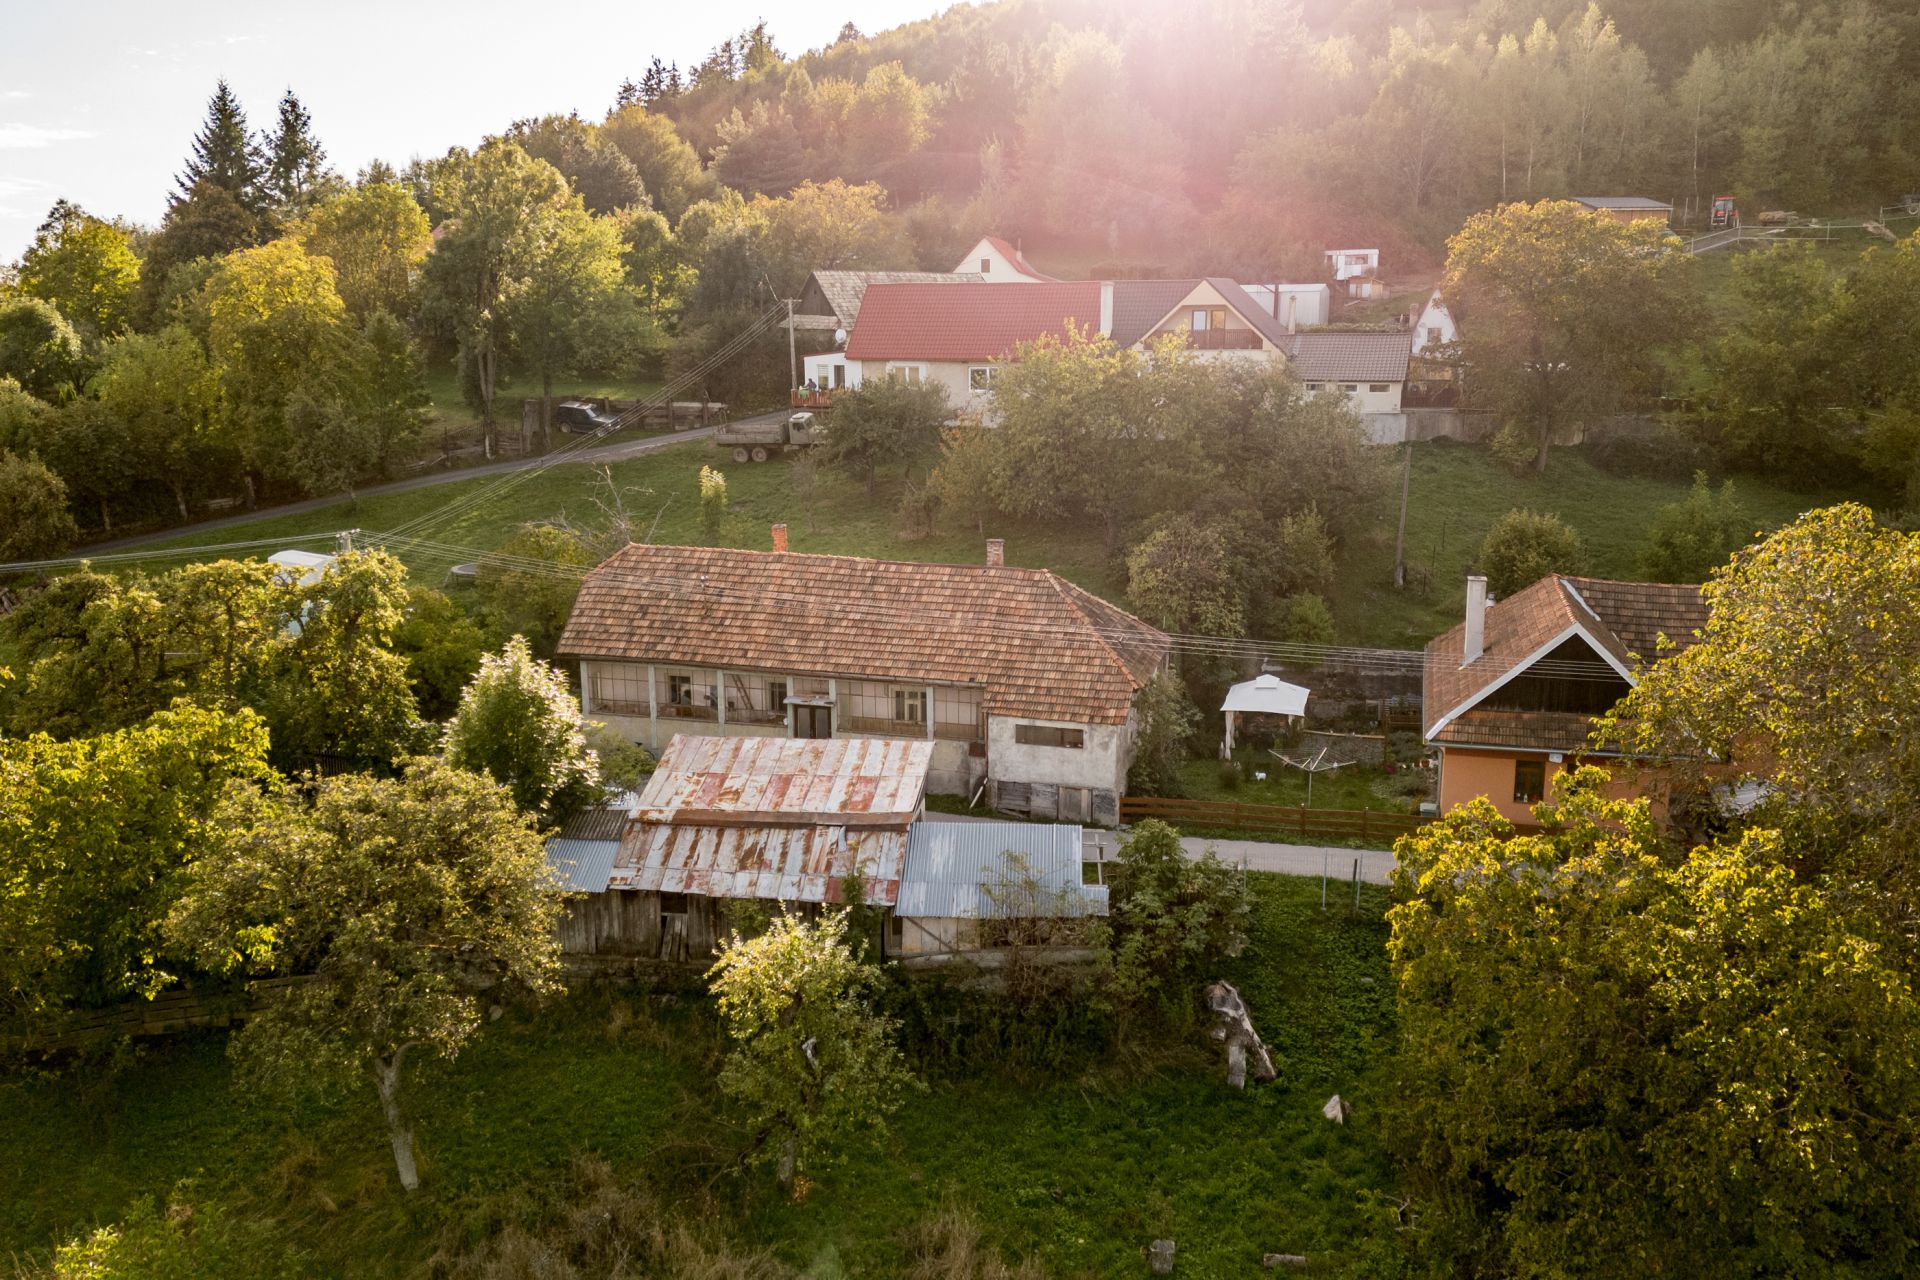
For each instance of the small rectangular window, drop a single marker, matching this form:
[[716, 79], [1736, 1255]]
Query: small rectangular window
[[910, 706], [908, 373], [1349, 386], [839, 376], [1529, 781], [776, 695], [986, 266], [1316, 386], [680, 690], [1379, 388], [980, 377], [1046, 735], [673, 904], [1433, 337]]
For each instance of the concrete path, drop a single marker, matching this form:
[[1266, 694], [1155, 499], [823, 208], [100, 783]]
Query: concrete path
[[595, 456], [1255, 855]]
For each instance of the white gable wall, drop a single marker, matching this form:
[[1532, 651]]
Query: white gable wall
[[994, 265]]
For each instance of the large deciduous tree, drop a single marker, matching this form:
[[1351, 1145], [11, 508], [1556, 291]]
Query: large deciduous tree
[[377, 237], [162, 388], [1564, 311], [85, 268], [275, 327], [503, 208], [1618, 1060], [1806, 683], [519, 723], [34, 521], [885, 422], [668, 166], [1174, 919], [38, 348], [95, 835], [406, 906], [812, 1064]]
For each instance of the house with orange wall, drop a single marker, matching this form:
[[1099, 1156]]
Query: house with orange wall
[[1511, 693]]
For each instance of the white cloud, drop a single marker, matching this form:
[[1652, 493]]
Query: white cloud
[[19, 137]]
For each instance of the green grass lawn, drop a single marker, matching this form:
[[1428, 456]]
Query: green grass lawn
[[1353, 787], [1458, 492], [1078, 1169], [664, 486]]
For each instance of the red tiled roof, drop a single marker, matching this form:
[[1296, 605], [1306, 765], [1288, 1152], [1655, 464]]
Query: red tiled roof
[[1624, 619], [980, 322], [1039, 646]]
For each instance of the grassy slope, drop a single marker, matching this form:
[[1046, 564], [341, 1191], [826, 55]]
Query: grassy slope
[[1080, 1171], [1458, 493]]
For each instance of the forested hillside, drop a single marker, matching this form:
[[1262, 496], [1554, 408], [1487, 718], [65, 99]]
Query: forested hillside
[[1283, 127]]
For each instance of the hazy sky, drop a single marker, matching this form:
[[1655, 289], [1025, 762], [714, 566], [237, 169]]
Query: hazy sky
[[99, 100]]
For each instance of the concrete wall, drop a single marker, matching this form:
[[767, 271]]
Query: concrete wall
[[1363, 399], [1101, 765]]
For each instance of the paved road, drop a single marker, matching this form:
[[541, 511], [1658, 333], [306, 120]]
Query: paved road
[[1255, 855], [597, 455]]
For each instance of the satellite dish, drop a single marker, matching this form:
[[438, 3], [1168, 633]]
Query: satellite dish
[[839, 337]]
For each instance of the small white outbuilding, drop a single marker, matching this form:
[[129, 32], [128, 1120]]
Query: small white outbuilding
[[1265, 695]]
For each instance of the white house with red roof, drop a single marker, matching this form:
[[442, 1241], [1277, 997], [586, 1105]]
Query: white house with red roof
[[998, 262]]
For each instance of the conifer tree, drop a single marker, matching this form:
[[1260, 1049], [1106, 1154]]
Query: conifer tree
[[223, 153], [295, 160]]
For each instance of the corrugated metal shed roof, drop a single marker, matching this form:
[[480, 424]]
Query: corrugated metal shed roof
[[1621, 202], [949, 866], [798, 862], [583, 866], [729, 781]]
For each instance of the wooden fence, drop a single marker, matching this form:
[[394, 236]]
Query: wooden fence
[[1269, 819], [165, 1014]]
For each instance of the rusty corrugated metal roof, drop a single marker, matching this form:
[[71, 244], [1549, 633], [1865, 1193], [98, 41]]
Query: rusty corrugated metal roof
[[796, 862], [734, 781]]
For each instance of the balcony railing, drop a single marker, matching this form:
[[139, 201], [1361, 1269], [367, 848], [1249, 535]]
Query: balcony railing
[[1223, 340], [801, 398]]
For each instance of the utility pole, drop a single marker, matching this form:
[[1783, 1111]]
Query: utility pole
[[1400, 540], [793, 360]]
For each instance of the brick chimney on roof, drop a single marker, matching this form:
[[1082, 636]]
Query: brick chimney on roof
[[780, 537], [996, 551]]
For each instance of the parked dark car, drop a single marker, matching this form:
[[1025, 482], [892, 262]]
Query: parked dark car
[[581, 418]]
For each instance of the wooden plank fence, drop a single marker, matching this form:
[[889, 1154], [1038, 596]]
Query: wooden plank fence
[[165, 1014], [1270, 819]]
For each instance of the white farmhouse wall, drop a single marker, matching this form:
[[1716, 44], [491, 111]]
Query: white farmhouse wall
[[1101, 765], [1434, 326], [994, 265], [1363, 399]]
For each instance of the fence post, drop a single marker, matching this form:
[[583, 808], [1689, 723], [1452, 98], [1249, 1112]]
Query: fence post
[[1356, 886], [1363, 822]]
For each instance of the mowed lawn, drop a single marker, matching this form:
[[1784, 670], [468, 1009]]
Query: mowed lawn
[[1458, 493], [1078, 1166]]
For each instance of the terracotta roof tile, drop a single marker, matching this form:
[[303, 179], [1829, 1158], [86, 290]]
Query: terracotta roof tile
[[984, 322], [1623, 618], [1039, 646], [844, 290]]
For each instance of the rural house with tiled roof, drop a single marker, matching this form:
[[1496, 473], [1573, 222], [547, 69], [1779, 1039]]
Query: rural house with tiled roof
[[1023, 682], [1510, 694]]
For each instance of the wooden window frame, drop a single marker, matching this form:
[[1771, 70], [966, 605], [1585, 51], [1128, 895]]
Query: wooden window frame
[[1534, 770], [1038, 735]]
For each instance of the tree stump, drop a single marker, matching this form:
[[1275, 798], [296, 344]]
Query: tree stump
[[1236, 1031]]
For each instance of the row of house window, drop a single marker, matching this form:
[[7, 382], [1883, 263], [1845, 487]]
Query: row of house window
[[1046, 735], [1377, 388], [752, 698]]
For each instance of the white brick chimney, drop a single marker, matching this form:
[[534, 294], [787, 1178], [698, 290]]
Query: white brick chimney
[[996, 551], [1474, 643], [1106, 308]]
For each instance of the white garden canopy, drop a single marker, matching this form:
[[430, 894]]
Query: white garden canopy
[[1263, 695]]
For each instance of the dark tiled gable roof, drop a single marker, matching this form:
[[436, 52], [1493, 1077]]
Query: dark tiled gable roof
[[1624, 619], [1621, 202], [1350, 357], [844, 290], [1140, 305], [1041, 646], [983, 322]]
